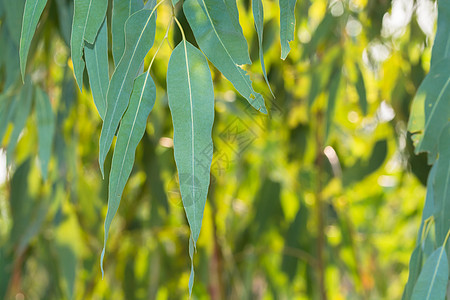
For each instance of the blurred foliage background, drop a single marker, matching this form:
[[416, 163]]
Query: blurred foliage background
[[321, 198]]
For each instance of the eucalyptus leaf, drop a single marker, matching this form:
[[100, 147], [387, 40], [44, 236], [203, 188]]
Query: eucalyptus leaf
[[140, 35], [13, 18], [332, 96], [46, 128], [432, 281], [191, 102], [441, 45], [131, 130], [223, 44], [31, 16], [96, 56], [361, 90], [121, 11], [258, 16], [430, 111], [87, 18], [287, 25]]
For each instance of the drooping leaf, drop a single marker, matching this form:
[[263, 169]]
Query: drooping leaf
[[65, 12], [96, 56], [258, 16], [140, 35], [441, 45], [361, 90], [224, 46], [191, 102], [428, 208], [130, 133], [332, 95], [12, 64], [287, 25], [430, 110], [442, 186], [46, 128], [31, 16], [13, 18], [87, 17], [432, 281], [415, 265], [121, 11], [7, 107], [21, 114]]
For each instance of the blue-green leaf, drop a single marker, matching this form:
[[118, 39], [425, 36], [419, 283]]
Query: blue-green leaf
[[97, 67], [441, 45], [287, 25], [121, 11], [432, 281], [131, 130], [46, 128], [13, 18], [87, 17], [442, 186], [21, 114], [31, 15], [430, 110], [223, 44], [258, 16], [140, 35], [191, 102]]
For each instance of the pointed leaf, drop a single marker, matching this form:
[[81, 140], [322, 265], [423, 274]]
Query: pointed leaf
[[131, 130], [87, 17], [191, 102], [224, 46], [258, 16], [432, 281], [415, 265], [140, 35], [287, 25], [441, 45], [97, 67], [121, 11], [31, 16], [46, 128], [430, 111]]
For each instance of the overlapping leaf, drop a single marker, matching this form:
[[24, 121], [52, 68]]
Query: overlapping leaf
[[287, 25], [430, 110], [131, 130], [46, 128], [140, 35], [31, 15], [441, 46], [121, 11], [96, 56], [191, 102], [87, 18], [223, 44]]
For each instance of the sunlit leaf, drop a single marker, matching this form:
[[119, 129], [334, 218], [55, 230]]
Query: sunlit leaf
[[130, 133], [191, 102], [432, 281], [258, 16], [121, 11], [96, 56], [224, 46], [87, 18], [441, 45], [287, 25], [31, 15], [430, 110], [46, 128], [140, 35]]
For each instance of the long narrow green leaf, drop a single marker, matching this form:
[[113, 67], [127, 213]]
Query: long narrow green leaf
[[140, 35], [31, 16], [430, 110], [46, 128], [361, 90], [442, 186], [415, 264], [191, 102], [287, 25], [224, 46], [130, 133], [441, 45], [258, 16], [96, 56], [7, 107], [332, 96], [87, 17], [432, 281], [13, 18], [121, 11], [21, 115]]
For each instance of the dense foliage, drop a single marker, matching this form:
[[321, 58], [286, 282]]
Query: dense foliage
[[282, 178]]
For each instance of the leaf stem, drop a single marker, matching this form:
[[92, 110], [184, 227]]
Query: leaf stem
[[181, 27], [160, 45]]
